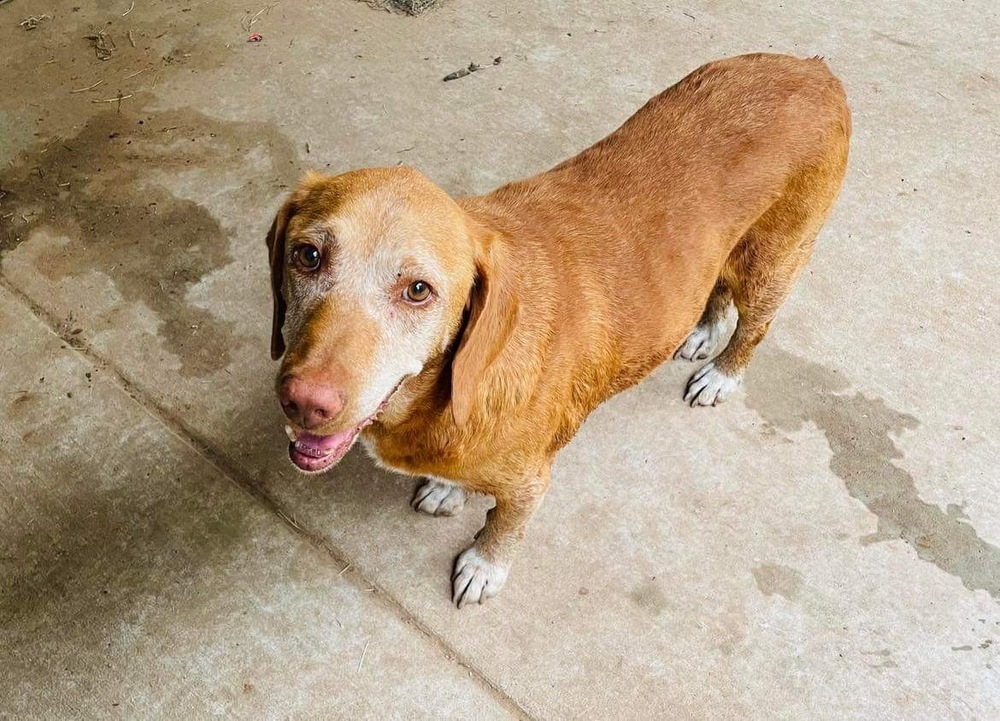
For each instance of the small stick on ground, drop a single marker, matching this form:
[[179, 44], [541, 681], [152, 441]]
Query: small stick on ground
[[114, 100], [89, 87], [137, 72], [363, 656], [131, 39], [253, 18], [130, 8], [281, 514]]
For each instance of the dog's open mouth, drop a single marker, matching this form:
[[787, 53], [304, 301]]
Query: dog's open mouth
[[313, 454]]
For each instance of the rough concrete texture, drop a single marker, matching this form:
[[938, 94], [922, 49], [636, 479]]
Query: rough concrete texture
[[827, 545]]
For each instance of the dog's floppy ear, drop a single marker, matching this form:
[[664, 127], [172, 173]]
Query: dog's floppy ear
[[276, 250], [493, 314]]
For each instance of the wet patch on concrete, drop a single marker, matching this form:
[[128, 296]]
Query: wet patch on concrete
[[789, 392], [98, 189], [774, 579]]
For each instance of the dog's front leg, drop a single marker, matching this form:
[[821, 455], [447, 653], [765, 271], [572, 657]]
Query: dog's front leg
[[481, 570]]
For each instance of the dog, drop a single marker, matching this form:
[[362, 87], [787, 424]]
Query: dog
[[465, 341]]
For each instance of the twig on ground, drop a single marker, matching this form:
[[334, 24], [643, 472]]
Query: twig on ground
[[130, 8], [363, 656], [115, 100], [255, 17], [131, 39], [89, 87]]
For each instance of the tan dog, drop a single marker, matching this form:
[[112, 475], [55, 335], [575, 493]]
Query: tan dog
[[466, 341]]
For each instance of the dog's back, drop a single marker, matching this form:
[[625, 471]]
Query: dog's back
[[618, 249]]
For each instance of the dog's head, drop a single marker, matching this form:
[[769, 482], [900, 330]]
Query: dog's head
[[373, 273]]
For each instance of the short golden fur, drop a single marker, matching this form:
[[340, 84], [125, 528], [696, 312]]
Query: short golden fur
[[572, 285]]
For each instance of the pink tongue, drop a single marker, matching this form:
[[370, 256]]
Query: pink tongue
[[324, 443]]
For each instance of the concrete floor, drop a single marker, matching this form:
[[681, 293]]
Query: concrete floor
[[827, 545]]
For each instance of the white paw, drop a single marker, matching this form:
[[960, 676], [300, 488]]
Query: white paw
[[702, 342], [475, 578], [438, 498], [710, 386]]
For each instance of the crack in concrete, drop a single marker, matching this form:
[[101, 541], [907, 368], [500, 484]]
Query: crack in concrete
[[860, 432]]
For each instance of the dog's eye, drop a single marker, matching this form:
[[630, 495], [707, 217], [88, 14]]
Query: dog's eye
[[307, 257], [417, 292]]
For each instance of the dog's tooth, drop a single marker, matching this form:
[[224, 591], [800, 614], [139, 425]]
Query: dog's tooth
[[290, 433]]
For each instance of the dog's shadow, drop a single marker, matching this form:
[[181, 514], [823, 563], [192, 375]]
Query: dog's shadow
[[112, 534]]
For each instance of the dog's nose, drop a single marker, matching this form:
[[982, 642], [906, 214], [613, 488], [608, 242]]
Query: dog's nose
[[309, 404]]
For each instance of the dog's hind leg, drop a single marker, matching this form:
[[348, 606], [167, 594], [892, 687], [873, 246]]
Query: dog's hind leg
[[760, 272], [704, 339]]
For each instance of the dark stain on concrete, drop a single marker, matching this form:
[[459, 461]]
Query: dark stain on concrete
[[788, 392], [894, 40], [98, 188], [409, 7], [776, 579], [650, 597], [879, 660]]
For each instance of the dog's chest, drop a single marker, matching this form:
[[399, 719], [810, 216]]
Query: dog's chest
[[390, 455]]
